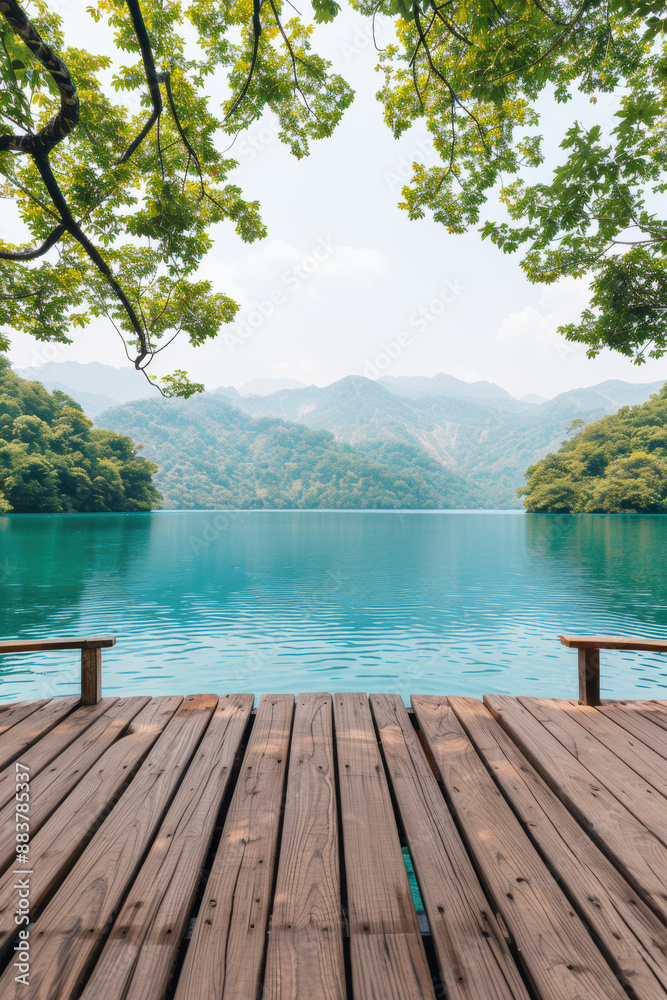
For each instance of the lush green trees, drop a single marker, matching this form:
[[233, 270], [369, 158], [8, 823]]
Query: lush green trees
[[616, 465], [53, 461], [120, 201]]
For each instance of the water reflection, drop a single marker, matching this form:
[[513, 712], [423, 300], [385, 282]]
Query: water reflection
[[285, 601]]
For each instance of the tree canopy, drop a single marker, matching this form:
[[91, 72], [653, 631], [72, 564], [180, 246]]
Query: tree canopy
[[616, 465], [52, 460], [119, 169]]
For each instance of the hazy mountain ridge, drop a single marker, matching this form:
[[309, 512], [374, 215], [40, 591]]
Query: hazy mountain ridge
[[472, 446], [212, 454]]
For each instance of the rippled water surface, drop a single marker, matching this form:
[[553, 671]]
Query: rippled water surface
[[260, 601]]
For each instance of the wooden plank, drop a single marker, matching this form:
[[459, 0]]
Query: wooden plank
[[386, 950], [305, 953], [558, 953], [638, 723], [473, 956], [42, 753], [226, 954], [21, 736], [643, 760], [91, 675], [58, 844], [624, 642], [140, 952], [632, 937], [14, 712], [625, 840], [49, 785], [72, 927], [607, 767], [49, 645]]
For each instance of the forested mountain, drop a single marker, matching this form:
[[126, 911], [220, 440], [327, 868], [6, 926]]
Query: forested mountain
[[52, 460], [616, 465], [211, 454], [488, 444]]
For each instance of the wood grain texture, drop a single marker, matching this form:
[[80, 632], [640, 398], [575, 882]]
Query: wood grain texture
[[139, 954], [15, 711], [571, 725], [91, 675], [472, 953], [53, 777], [15, 742], [225, 957], [386, 950], [71, 930], [559, 956], [639, 723], [634, 939], [305, 952], [55, 848], [625, 840], [49, 645], [614, 642]]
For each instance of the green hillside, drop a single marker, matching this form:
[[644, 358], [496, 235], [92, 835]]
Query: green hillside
[[211, 454], [616, 465], [52, 460]]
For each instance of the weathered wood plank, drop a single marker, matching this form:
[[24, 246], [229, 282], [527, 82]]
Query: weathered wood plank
[[633, 791], [622, 642], [558, 953], [49, 645], [72, 927], [226, 954], [305, 953], [640, 724], [634, 939], [54, 779], [16, 741], [473, 956], [139, 954], [42, 753], [643, 760], [64, 836], [625, 840], [386, 950], [15, 711]]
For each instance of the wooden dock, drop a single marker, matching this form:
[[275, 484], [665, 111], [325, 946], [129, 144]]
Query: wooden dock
[[197, 849]]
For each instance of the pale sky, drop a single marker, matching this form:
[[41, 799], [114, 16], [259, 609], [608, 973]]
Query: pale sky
[[345, 283]]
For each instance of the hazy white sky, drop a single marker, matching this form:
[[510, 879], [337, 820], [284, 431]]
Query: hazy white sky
[[345, 283]]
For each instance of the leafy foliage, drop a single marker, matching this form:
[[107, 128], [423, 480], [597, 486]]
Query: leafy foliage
[[212, 455], [52, 460], [613, 466]]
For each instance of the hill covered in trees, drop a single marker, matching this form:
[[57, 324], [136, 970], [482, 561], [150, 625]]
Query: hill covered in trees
[[52, 459], [211, 454], [616, 465]]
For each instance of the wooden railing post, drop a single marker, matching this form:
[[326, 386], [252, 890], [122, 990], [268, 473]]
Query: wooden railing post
[[91, 676], [589, 676], [589, 646], [91, 658]]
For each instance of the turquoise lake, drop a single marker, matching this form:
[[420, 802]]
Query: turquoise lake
[[430, 602]]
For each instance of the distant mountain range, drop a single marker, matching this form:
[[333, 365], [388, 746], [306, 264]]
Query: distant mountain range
[[467, 444]]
